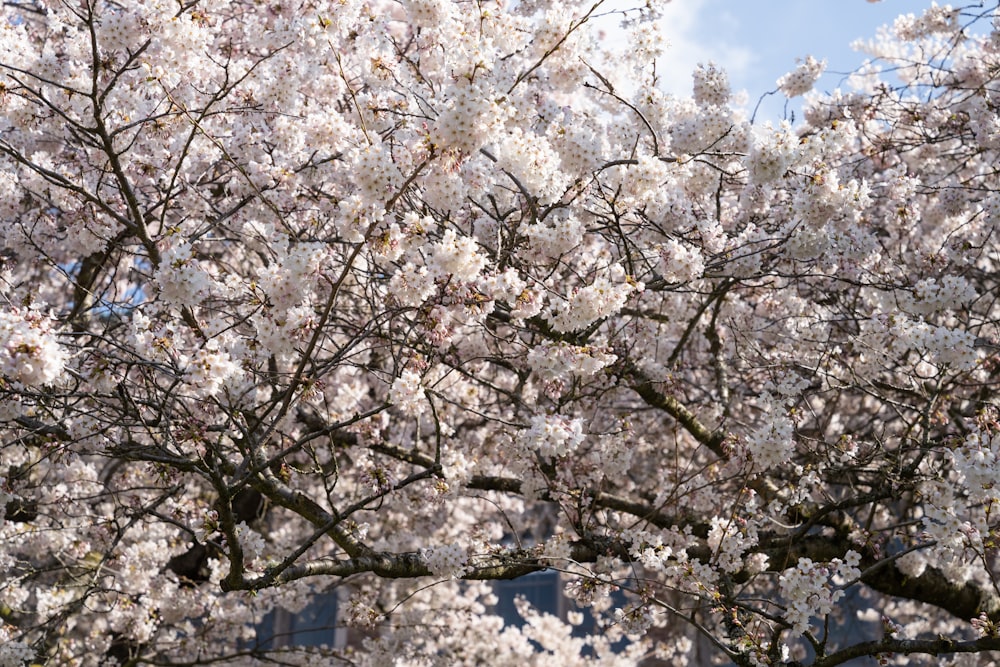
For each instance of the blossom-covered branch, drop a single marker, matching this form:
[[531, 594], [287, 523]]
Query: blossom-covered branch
[[384, 301]]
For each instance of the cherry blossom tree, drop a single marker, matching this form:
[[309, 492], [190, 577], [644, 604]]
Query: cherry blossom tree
[[400, 298]]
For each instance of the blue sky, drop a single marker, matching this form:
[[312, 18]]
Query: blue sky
[[757, 41]]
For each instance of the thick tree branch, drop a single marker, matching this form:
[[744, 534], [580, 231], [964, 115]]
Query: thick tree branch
[[940, 646], [655, 398]]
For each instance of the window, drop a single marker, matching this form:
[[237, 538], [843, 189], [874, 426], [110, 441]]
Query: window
[[542, 589], [315, 625]]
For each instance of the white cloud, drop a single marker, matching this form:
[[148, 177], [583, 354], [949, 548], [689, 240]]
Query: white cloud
[[698, 34]]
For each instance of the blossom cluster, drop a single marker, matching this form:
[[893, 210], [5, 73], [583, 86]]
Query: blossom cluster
[[29, 350], [771, 443], [680, 263], [407, 393], [211, 369], [555, 363], [181, 278], [935, 19], [809, 590], [977, 461], [455, 257], [450, 560], [730, 539], [553, 435], [649, 549], [939, 345], [801, 80], [602, 298], [13, 653], [772, 153], [634, 621], [931, 295], [470, 119], [711, 85]]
